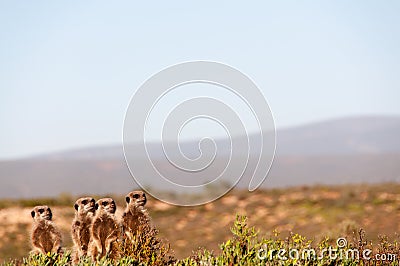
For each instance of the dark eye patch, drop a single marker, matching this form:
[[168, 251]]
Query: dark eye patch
[[136, 196], [84, 202], [41, 211], [104, 203]]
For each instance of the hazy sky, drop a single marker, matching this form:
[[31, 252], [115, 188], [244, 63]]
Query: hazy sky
[[69, 68]]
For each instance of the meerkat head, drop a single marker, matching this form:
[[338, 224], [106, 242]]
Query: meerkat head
[[85, 205], [107, 205], [40, 213], [136, 198]]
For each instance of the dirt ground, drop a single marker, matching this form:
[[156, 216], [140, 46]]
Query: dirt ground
[[314, 212]]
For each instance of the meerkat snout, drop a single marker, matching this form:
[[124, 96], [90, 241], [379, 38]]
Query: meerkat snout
[[107, 204], [137, 198], [85, 205], [41, 213]]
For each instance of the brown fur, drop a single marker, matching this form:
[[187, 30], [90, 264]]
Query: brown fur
[[82, 226], [105, 230], [45, 236], [135, 216]]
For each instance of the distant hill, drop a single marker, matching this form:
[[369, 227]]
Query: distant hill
[[357, 135], [345, 136], [348, 150]]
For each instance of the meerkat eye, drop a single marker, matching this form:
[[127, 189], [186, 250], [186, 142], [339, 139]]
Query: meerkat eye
[[93, 201], [41, 211], [84, 202], [104, 203], [136, 196]]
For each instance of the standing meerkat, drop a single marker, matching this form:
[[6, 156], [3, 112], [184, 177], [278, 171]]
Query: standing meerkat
[[135, 216], [105, 229], [82, 226], [45, 236]]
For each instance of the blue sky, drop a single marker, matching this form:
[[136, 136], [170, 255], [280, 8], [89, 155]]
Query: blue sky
[[69, 68]]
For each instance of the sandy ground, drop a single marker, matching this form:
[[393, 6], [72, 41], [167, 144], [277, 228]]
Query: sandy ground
[[313, 212]]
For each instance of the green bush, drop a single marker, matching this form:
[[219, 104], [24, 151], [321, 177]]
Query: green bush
[[146, 247], [244, 248]]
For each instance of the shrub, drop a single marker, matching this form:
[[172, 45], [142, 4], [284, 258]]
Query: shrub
[[244, 248], [146, 247]]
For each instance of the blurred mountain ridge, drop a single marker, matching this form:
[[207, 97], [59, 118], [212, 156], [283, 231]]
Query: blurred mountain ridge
[[336, 151]]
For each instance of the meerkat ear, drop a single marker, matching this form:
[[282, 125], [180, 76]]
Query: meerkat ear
[[33, 214], [76, 206], [96, 206], [127, 199]]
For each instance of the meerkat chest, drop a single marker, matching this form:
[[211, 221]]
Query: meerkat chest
[[83, 222], [43, 229], [135, 217], [105, 223], [84, 228]]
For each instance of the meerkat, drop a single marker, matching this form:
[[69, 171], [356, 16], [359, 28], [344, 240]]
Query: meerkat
[[82, 226], [105, 229], [45, 236], [135, 216]]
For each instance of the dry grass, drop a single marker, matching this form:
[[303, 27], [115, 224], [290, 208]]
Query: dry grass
[[314, 212]]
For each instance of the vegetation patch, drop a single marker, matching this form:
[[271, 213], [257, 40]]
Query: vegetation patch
[[245, 247]]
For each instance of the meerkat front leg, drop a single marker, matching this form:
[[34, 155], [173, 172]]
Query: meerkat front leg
[[92, 250], [98, 249], [78, 246], [94, 247], [109, 241], [37, 247], [56, 235]]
